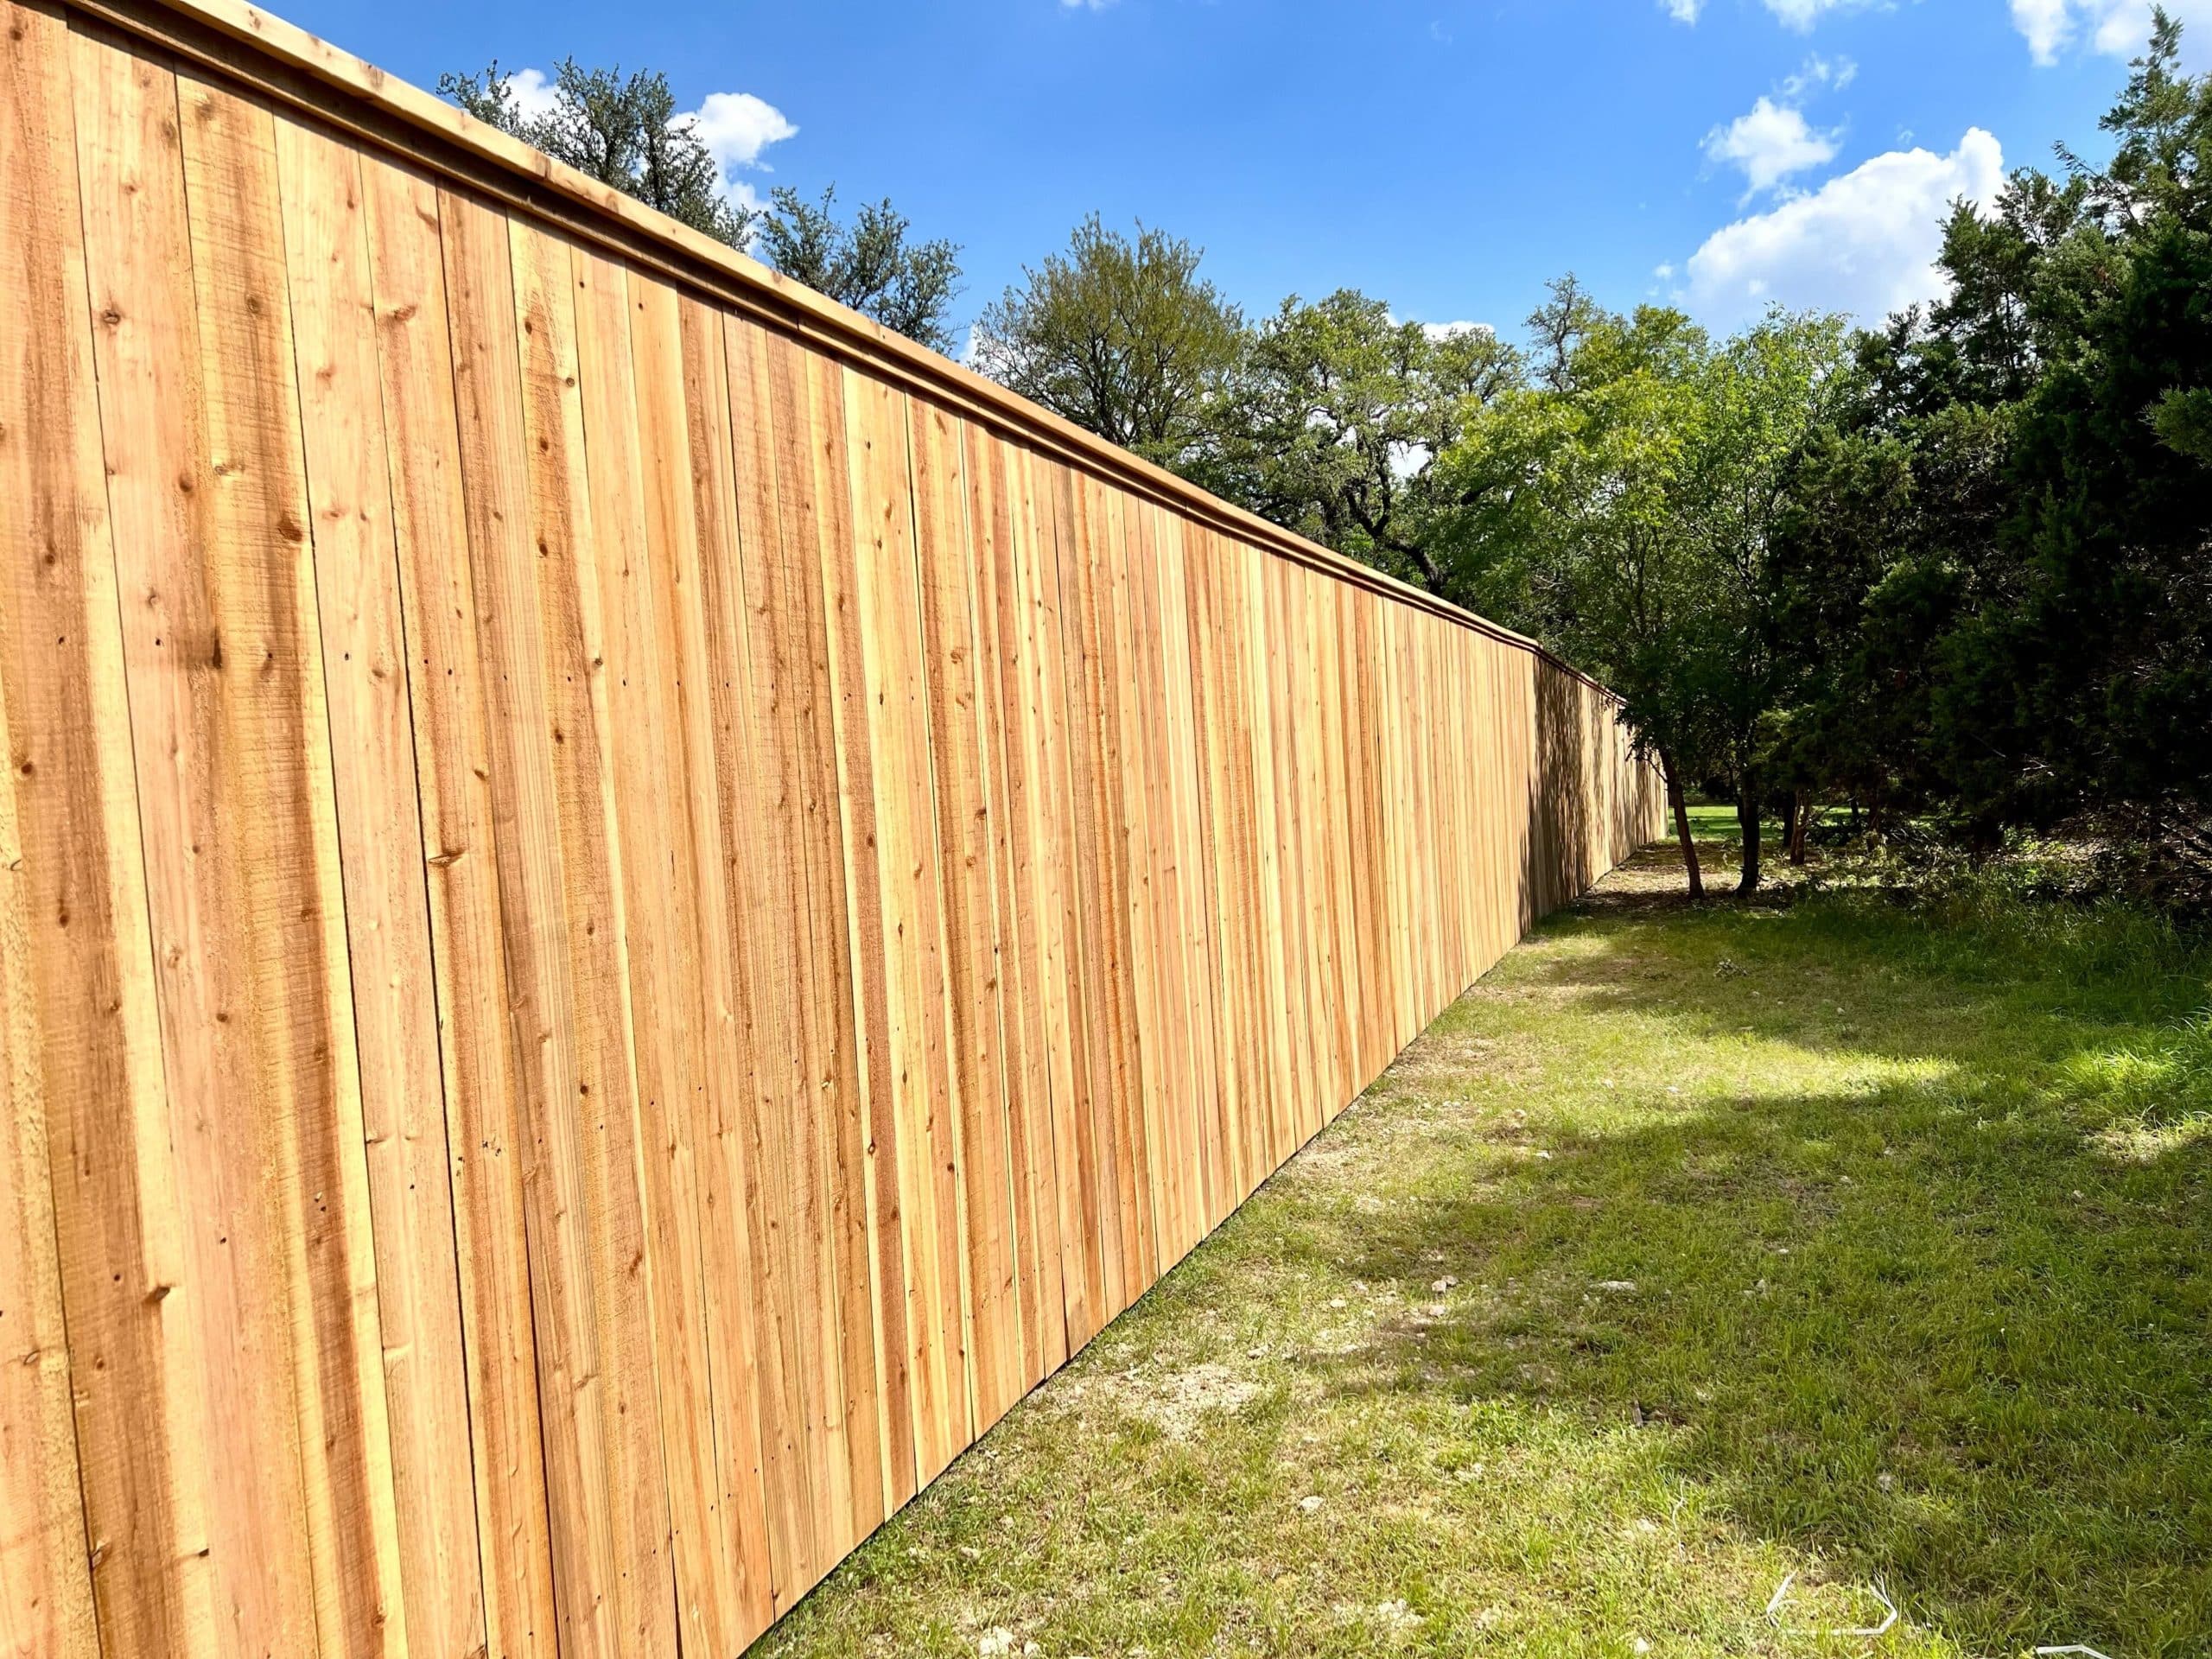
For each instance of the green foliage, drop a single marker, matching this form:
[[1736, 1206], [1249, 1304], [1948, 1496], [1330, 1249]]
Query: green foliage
[[1328, 418], [1334, 422], [1119, 335], [868, 263], [626, 131], [2031, 641], [1572, 517], [622, 131], [1625, 508], [1882, 547]]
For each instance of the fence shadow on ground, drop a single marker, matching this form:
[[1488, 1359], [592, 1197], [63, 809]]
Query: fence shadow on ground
[[1940, 1321]]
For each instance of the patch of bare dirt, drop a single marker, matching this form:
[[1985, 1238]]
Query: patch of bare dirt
[[1176, 1401]]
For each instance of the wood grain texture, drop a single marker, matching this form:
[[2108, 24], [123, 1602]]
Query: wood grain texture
[[79, 1085], [444, 406], [626, 909], [961, 739], [365, 663], [271, 927], [1000, 541], [836, 775], [225, 724], [687, 516], [784, 907], [913, 1085], [617, 1599], [642, 544]]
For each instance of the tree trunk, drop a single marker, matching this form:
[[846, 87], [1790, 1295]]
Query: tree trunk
[[1748, 818], [1790, 819], [1797, 828], [1681, 811]]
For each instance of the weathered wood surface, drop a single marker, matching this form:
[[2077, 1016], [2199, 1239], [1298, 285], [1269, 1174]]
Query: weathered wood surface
[[625, 908]]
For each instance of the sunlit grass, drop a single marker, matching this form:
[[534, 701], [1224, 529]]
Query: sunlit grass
[[1691, 1248]]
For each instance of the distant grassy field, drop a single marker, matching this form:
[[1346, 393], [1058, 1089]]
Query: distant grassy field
[[1689, 1250]]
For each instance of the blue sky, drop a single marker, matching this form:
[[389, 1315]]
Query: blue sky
[[1447, 156]]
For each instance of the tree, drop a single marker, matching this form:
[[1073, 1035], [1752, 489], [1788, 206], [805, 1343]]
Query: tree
[[1333, 422], [1884, 544], [626, 131], [1570, 524], [868, 264], [1119, 335], [2090, 688], [2056, 656], [1765, 393], [1624, 511], [623, 131], [1557, 327]]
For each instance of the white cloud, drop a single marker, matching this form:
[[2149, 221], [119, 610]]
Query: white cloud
[[735, 127], [1085, 5], [1770, 143], [1801, 15], [2047, 24], [1683, 11], [2117, 27], [1818, 73], [1453, 330], [1864, 241], [533, 94]]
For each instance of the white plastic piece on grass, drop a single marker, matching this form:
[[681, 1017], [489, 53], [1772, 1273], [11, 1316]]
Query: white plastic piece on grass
[[2076, 1647], [1782, 1594]]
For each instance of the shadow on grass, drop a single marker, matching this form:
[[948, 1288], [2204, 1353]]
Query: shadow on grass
[[1945, 1320]]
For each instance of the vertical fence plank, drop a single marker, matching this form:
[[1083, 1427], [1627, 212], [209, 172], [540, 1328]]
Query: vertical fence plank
[[602, 1303], [1123, 823], [1200, 1090], [77, 1081], [647, 768], [1214, 726], [1033, 581], [1154, 950], [807, 1184], [222, 663], [430, 393], [1067, 1080], [962, 736], [683, 405], [365, 669], [916, 1073], [272, 799], [1001, 543], [816, 488], [165, 1563], [1096, 1002]]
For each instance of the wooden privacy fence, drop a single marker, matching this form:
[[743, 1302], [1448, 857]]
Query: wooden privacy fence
[[627, 905]]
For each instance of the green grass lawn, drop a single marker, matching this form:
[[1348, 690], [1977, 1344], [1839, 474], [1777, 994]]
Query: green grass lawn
[[1689, 1250]]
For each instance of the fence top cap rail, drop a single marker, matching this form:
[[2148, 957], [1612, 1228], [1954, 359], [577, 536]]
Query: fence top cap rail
[[293, 48]]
